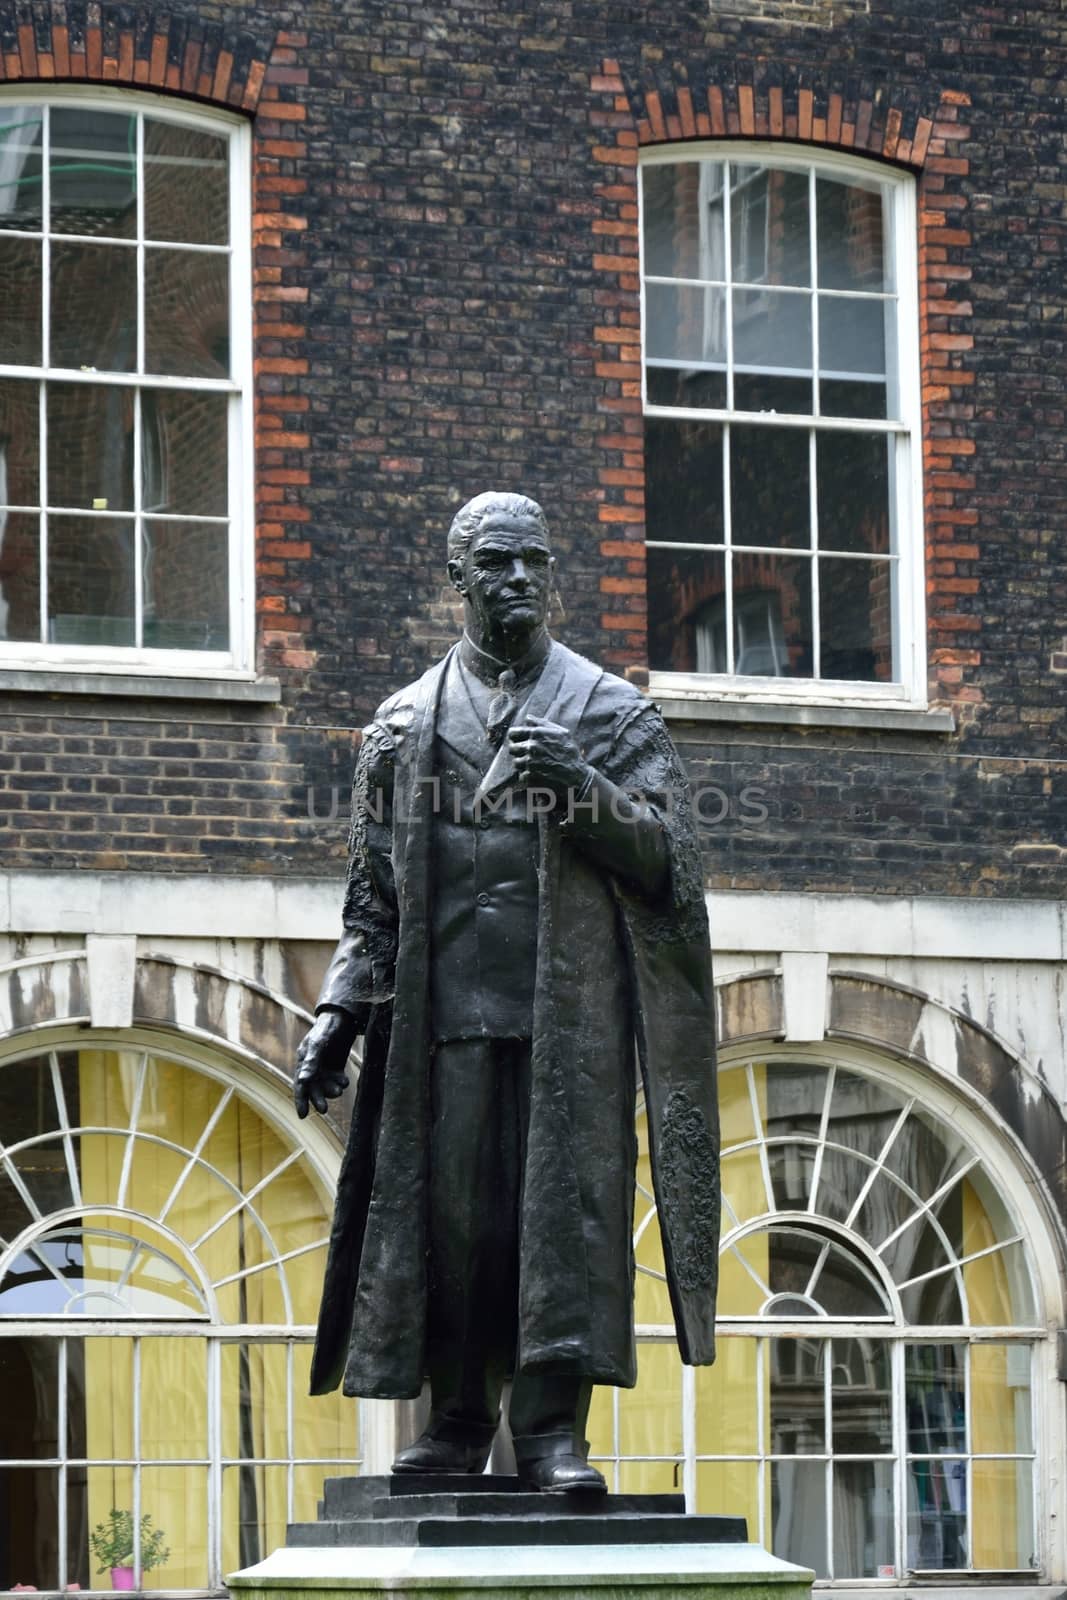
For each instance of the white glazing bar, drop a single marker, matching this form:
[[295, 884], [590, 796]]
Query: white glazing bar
[[879, 1164], [616, 1446], [42, 465], [813, 271], [139, 182], [761, 1142], [767, 419], [728, 559], [969, 1447], [824, 1120], [762, 1531], [135, 1112], [813, 532], [816, 1271], [828, 1441], [194, 1157], [214, 1475], [73, 1175], [138, 530], [899, 1425], [689, 1437], [62, 1433], [728, 269], [290, 1515], [274, 1261], [137, 1485], [129, 380]]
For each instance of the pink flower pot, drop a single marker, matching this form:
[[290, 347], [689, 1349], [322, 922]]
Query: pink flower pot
[[122, 1578]]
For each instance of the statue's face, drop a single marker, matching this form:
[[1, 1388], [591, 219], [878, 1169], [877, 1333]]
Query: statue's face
[[506, 575]]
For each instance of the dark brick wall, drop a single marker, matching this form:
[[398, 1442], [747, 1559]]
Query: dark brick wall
[[446, 299]]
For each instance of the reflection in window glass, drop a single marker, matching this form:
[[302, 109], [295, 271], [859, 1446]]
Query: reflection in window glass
[[785, 309]]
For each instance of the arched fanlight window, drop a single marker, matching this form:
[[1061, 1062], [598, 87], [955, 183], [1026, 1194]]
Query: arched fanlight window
[[161, 1249], [871, 1410]]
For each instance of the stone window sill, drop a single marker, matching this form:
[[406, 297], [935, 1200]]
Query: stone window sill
[[138, 686], [806, 714]]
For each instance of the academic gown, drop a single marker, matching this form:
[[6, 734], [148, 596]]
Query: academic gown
[[594, 922]]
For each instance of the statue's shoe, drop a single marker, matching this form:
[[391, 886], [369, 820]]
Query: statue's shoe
[[443, 1455], [560, 1474]]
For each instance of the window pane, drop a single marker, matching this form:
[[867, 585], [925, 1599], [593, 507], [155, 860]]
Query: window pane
[[845, 397], [90, 581], [791, 1167], [20, 305], [94, 307], [937, 1515], [844, 1286], [861, 1401], [763, 391], [726, 1401], [772, 616], [186, 585], [769, 228], [90, 446], [683, 225], [934, 1391], [798, 1513], [683, 468], [686, 611], [20, 167], [43, 1170], [856, 620], [1003, 1499], [187, 313], [93, 172], [29, 1383], [729, 1489], [772, 329], [1001, 1409], [184, 455], [850, 228], [685, 324], [29, 1524], [20, 581], [100, 1401], [324, 1426], [186, 185], [797, 1397], [852, 335], [769, 476], [650, 1416], [20, 455], [686, 386], [852, 475], [863, 1519]]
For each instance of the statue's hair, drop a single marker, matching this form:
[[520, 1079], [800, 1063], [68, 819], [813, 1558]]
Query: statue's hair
[[471, 518]]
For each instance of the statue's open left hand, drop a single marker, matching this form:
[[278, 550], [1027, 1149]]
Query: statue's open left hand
[[546, 753], [322, 1056]]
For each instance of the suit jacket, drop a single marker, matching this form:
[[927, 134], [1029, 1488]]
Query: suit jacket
[[622, 956]]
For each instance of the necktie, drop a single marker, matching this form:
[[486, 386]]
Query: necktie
[[502, 708]]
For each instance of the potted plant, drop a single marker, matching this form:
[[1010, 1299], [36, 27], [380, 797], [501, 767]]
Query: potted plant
[[112, 1543]]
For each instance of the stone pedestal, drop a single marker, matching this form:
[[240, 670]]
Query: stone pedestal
[[481, 1538]]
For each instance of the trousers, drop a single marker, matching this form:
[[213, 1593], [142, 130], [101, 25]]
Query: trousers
[[480, 1100]]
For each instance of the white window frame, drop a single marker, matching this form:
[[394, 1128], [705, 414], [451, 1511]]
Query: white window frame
[[909, 691], [238, 662], [999, 1152]]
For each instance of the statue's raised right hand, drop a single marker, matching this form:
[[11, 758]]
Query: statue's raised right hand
[[322, 1056]]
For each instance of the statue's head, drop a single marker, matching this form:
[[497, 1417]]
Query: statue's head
[[500, 561]]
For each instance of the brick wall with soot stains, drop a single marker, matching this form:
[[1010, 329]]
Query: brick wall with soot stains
[[446, 298]]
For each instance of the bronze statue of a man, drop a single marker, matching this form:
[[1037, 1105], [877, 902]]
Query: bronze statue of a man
[[523, 917]]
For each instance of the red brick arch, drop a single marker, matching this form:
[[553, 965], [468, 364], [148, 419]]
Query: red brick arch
[[102, 43], [672, 106]]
